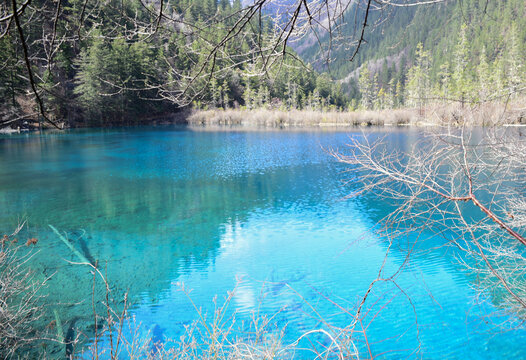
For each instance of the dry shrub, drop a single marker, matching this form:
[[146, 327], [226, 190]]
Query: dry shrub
[[20, 307], [487, 113], [490, 113], [222, 336], [303, 118]]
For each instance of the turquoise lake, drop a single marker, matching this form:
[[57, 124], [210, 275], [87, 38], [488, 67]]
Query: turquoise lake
[[264, 212]]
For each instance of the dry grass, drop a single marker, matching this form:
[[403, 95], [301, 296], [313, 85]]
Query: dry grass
[[485, 114], [302, 118]]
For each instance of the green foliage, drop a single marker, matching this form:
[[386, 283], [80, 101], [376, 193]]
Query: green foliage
[[108, 74], [123, 64], [462, 74], [10, 82], [464, 51], [514, 59], [418, 83], [366, 89]]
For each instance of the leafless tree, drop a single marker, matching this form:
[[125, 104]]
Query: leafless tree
[[464, 185]]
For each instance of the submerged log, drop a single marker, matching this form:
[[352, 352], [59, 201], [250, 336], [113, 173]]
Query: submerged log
[[58, 324], [81, 257]]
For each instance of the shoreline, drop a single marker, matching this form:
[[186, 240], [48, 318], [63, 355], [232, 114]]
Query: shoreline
[[270, 118], [485, 115]]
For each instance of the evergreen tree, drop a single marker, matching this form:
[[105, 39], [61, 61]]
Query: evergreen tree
[[92, 68], [377, 91], [392, 101], [215, 92], [315, 101], [498, 78], [444, 82], [461, 81], [484, 75], [515, 60], [418, 84], [225, 94], [399, 94], [248, 96], [366, 88]]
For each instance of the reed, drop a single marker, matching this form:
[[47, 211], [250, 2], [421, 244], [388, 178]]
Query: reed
[[301, 118], [483, 114]]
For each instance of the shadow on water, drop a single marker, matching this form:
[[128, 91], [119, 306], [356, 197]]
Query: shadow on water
[[70, 336]]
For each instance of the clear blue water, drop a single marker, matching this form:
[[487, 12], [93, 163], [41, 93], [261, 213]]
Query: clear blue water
[[265, 210]]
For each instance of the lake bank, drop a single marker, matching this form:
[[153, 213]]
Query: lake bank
[[436, 115], [485, 114]]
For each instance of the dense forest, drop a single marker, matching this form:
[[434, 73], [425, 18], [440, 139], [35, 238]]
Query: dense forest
[[127, 61], [463, 51], [82, 63]]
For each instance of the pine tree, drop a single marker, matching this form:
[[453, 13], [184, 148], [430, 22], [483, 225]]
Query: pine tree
[[236, 5], [265, 96], [444, 82], [258, 98], [248, 96], [225, 89], [514, 60], [377, 92], [92, 68], [291, 94], [399, 94], [498, 78], [366, 88], [391, 94], [484, 75], [381, 99], [315, 101], [224, 5], [215, 93], [461, 73], [418, 83]]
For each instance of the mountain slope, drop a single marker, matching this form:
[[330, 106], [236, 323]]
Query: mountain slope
[[436, 26]]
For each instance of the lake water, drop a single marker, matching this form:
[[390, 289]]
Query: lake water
[[261, 210]]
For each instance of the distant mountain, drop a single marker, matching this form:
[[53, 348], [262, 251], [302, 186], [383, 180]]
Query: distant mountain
[[436, 26]]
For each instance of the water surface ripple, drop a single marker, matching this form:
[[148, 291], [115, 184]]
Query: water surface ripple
[[261, 209]]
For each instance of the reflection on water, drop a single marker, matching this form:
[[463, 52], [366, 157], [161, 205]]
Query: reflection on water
[[158, 206]]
